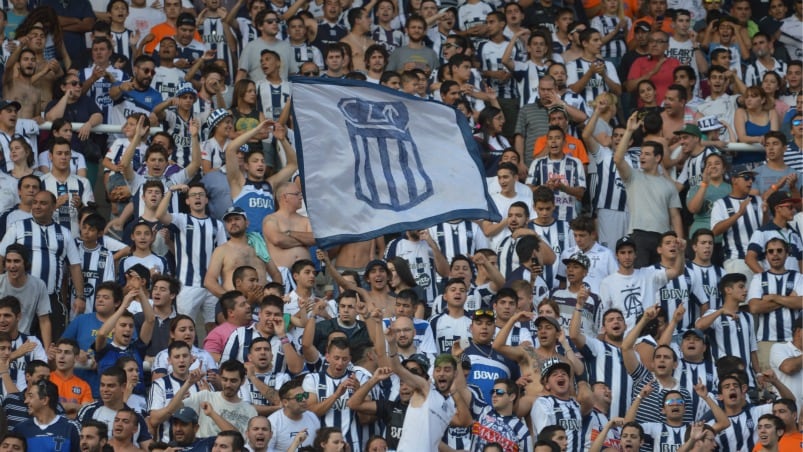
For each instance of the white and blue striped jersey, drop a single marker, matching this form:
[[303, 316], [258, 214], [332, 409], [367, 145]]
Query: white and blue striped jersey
[[616, 47], [247, 32], [776, 325], [389, 39], [603, 263], [518, 335], [459, 237], [239, 344], [51, 246], [742, 434], [195, 242], [650, 408], [688, 374], [527, 74], [477, 298], [118, 147], [490, 55], [121, 43], [559, 237], [422, 263], [304, 52], [179, 129], [692, 173], [737, 237], [664, 436], [509, 431], [472, 14], [272, 98], [755, 71], [759, 239], [550, 410], [567, 303], [447, 330], [213, 34], [339, 415], [593, 423], [575, 70], [99, 91], [570, 171], [249, 393], [214, 152], [604, 363], [459, 438], [162, 392], [734, 337], [97, 265], [67, 214], [709, 277], [684, 290]]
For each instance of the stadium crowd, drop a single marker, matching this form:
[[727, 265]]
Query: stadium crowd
[[642, 290]]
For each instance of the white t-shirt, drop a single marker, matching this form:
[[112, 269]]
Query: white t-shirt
[[778, 354], [632, 294], [285, 429], [237, 414]]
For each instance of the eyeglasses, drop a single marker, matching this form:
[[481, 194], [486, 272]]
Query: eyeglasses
[[674, 402], [658, 41], [499, 392], [310, 73], [270, 21], [199, 194], [747, 176], [797, 122], [775, 250], [300, 397]]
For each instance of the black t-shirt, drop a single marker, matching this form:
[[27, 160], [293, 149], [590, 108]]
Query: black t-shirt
[[392, 414]]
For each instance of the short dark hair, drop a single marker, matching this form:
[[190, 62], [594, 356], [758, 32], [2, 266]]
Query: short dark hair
[[116, 372], [526, 246], [520, 205], [237, 441], [228, 301], [11, 302], [290, 385], [695, 237], [175, 345], [113, 287], [690, 72], [729, 280], [233, 365], [103, 429], [339, 343], [657, 148], [777, 135], [173, 285]]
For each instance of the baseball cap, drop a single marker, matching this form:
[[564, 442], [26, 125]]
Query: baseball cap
[[234, 210], [559, 108], [185, 19], [141, 271], [553, 364], [769, 25], [186, 88], [695, 332], [578, 258], [642, 26], [625, 241], [186, 415], [690, 129], [741, 169], [216, 117], [781, 197], [479, 313], [420, 359], [9, 103], [551, 320], [376, 263]]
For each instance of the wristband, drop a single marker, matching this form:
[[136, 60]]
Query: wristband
[[284, 340], [774, 187], [704, 184]]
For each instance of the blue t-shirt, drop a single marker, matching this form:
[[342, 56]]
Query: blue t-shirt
[[60, 436], [487, 365]]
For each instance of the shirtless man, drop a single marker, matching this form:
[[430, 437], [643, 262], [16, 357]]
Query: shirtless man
[[233, 254], [355, 256], [674, 114], [47, 71], [358, 38], [123, 429], [287, 234], [376, 276], [18, 83], [529, 358]]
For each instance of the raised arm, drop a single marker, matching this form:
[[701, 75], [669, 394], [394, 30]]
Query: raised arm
[[108, 325], [280, 133], [233, 174], [517, 354], [158, 416], [633, 124], [418, 384], [628, 353], [140, 133]]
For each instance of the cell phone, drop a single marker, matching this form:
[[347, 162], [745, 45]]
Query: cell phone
[[535, 262], [659, 19]]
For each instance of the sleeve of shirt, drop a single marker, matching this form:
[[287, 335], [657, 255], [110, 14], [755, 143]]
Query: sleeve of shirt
[[227, 349], [310, 385], [108, 271], [756, 245], [8, 239], [571, 73], [428, 342], [142, 433], [580, 173], [755, 290], [778, 354], [157, 399], [541, 414], [73, 256], [42, 299], [718, 213], [753, 341], [653, 429], [89, 194]]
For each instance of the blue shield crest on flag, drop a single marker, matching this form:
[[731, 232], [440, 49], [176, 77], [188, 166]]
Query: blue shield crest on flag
[[388, 173]]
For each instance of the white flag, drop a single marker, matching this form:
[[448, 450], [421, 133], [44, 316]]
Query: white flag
[[375, 161]]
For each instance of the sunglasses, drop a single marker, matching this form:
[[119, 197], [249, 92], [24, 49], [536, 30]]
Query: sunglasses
[[674, 402], [416, 371], [775, 250], [747, 176], [270, 21], [480, 312], [499, 392], [301, 396], [797, 122], [310, 74]]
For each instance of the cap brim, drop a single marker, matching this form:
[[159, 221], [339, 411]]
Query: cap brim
[[567, 261]]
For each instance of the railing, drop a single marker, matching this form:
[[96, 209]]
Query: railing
[[100, 128]]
